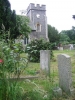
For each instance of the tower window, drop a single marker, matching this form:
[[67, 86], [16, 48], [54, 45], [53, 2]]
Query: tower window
[[38, 27]]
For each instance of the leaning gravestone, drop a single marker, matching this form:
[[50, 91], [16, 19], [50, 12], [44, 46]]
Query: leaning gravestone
[[64, 68], [45, 61]]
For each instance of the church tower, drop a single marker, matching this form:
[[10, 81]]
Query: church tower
[[38, 21]]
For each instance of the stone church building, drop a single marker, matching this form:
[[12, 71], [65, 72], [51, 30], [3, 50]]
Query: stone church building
[[38, 21]]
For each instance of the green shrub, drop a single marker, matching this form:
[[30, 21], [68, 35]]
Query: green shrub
[[33, 49], [11, 65], [53, 46]]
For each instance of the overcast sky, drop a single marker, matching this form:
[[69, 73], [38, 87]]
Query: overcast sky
[[59, 12]]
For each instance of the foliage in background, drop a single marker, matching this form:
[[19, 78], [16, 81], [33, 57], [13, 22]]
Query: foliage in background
[[7, 18], [23, 25], [53, 34], [33, 49], [68, 36], [64, 38], [16, 24], [5, 13]]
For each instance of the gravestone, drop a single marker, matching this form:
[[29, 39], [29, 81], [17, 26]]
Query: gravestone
[[45, 61], [57, 91], [64, 68], [60, 48], [20, 41], [71, 46]]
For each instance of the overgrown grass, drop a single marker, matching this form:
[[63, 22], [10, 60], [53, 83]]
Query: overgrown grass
[[44, 85]]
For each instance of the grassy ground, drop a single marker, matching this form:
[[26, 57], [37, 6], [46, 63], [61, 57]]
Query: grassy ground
[[44, 84]]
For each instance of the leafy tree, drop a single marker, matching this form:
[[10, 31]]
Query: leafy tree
[[10, 21], [70, 34], [5, 13], [23, 25], [13, 29], [7, 18], [64, 38], [53, 34]]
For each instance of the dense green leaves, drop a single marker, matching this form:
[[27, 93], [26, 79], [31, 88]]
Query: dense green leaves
[[53, 34], [33, 49], [16, 24], [64, 38], [68, 36], [5, 13], [7, 18], [22, 25]]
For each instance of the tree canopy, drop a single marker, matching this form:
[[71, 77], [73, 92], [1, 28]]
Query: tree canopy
[[23, 25], [5, 13], [53, 34], [68, 35], [64, 38], [10, 21]]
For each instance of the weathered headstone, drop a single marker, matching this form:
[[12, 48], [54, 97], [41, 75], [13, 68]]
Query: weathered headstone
[[71, 46], [60, 48], [57, 91], [64, 68], [45, 61]]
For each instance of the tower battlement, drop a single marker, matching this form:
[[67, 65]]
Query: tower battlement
[[32, 6], [38, 21]]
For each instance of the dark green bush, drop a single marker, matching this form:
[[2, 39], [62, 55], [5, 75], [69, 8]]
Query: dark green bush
[[33, 49], [53, 46]]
